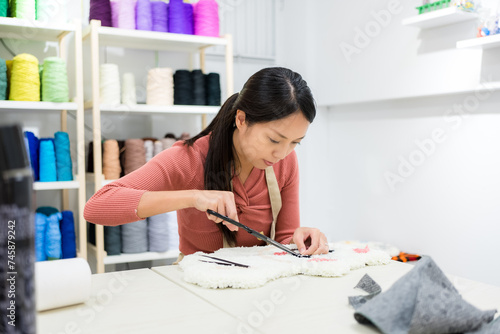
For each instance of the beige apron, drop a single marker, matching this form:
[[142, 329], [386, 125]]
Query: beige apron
[[275, 198]]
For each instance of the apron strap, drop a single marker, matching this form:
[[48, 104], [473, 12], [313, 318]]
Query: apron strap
[[274, 196]]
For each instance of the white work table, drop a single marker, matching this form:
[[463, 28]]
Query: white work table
[[304, 304], [160, 301], [136, 301]]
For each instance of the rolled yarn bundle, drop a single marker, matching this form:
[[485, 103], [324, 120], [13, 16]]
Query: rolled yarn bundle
[[61, 283]]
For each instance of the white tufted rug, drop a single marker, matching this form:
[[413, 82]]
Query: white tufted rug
[[269, 263]]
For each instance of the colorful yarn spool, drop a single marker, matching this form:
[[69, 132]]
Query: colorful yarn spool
[[160, 87], [52, 11], [3, 80], [173, 234], [149, 149], [189, 21], [159, 16], [158, 232], [25, 79], [40, 227], [112, 240], [123, 14], [53, 245], [54, 80], [23, 9], [179, 16], [33, 148], [158, 147], [109, 80], [129, 96], [68, 236], [111, 160], [199, 95], [64, 166], [4, 8], [143, 15], [168, 142], [135, 155], [183, 83], [48, 172], [212, 89], [206, 18], [135, 237], [101, 10]]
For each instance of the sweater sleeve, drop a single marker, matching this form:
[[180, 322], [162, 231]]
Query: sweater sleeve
[[177, 168], [288, 218]]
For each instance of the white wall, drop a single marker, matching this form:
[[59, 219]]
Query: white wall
[[446, 205]]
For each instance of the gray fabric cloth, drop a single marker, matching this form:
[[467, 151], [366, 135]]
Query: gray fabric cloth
[[422, 301], [366, 284]]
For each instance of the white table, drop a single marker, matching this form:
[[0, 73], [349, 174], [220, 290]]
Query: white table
[[159, 301], [304, 304], [136, 301]]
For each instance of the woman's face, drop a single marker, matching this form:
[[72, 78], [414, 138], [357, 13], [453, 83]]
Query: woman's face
[[263, 144]]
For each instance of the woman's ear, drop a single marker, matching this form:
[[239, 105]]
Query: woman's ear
[[240, 118]]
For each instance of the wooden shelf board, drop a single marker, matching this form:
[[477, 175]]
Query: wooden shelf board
[[58, 185], [439, 17], [36, 106], [32, 30], [147, 256], [153, 40], [487, 42], [156, 109]]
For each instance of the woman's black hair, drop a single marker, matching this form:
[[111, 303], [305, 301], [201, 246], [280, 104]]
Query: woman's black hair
[[270, 94]]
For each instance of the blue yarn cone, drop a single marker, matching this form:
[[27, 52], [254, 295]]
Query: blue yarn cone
[[53, 247], [34, 146], [64, 166], [48, 172], [68, 238], [40, 227]]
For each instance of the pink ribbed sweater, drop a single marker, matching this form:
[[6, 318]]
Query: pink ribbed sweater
[[182, 168]]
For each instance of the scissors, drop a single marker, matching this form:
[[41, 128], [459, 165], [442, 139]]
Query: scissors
[[256, 234], [223, 262]]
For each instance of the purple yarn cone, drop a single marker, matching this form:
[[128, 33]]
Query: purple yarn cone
[[101, 10], [143, 18], [159, 11]]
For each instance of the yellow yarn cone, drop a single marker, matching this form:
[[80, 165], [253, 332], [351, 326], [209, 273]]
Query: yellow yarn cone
[[24, 79]]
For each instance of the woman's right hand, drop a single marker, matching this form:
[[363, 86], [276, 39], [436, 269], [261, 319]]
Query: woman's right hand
[[218, 201]]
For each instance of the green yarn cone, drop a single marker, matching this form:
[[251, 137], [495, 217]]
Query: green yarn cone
[[4, 8], [54, 80], [3, 80]]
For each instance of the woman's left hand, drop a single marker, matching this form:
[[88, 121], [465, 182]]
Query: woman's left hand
[[310, 241]]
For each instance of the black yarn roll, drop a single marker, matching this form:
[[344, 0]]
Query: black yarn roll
[[199, 95], [183, 87], [91, 233], [90, 158], [112, 240], [121, 147], [212, 89]]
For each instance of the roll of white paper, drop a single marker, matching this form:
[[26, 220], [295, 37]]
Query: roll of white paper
[[61, 283]]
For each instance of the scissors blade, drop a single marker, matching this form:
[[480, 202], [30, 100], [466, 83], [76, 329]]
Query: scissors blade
[[256, 234]]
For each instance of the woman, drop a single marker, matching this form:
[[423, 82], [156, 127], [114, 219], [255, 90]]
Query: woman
[[243, 165]]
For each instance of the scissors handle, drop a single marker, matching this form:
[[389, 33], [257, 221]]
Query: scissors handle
[[255, 233]]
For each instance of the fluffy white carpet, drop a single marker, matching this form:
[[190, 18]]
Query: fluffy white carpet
[[269, 263]]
